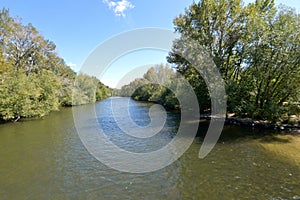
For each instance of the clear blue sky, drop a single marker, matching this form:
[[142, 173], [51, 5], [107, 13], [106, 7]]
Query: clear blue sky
[[77, 27]]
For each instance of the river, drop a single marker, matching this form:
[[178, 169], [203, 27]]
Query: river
[[45, 159]]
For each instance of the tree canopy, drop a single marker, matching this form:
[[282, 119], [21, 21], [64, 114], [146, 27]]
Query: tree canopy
[[155, 86], [34, 80], [256, 49]]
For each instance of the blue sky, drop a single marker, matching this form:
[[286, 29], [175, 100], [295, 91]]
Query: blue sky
[[78, 27]]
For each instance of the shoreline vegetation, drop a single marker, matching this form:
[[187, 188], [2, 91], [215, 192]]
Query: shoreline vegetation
[[143, 90], [34, 80], [263, 124], [255, 48]]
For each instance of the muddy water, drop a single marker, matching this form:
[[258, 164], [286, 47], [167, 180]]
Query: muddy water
[[45, 159]]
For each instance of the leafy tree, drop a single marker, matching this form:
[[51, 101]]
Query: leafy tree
[[88, 89], [102, 91], [28, 96], [255, 48], [34, 80], [219, 25], [154, 86], [273, 62]]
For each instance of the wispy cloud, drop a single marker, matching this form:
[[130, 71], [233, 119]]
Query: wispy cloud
[[119, 7], [70, 64]]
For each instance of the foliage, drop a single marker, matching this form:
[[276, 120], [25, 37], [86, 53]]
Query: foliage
[[255, 48], [154, 86], [88, 89], [34, 80], [28, 96]]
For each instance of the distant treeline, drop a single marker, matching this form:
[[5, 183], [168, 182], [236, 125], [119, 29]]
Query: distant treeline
[[34, 79], [256, 48], [157, 85]]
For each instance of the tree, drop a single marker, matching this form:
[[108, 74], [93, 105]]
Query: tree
[[28, 96], [273, 62], [219, 25], [255, 48], [154, 86], [34, 80], [88, 89]]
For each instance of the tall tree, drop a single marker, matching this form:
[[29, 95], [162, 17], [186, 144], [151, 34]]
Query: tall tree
[[34, 80], [273, 62], [255, 48], [220, 26]]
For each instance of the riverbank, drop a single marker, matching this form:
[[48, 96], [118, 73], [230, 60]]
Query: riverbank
[[231, 119], [259, 124]]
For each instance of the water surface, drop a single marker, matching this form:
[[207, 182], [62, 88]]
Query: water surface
[[45, 159]]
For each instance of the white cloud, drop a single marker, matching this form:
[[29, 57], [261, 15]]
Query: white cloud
[[119, 7], [70, 64]]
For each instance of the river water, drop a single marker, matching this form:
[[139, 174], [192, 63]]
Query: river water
[[45, 159]]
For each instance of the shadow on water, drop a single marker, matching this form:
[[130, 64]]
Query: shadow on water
[[273, 138], [45, 159], [234, 132]]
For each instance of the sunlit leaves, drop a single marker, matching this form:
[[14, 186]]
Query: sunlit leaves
[[256, 49], [34, 80]]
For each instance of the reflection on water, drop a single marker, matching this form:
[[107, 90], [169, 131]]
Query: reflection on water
[[44, 159], [140, 117]]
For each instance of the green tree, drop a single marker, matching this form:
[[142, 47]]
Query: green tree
[[88, 89], [273, 62], [219, 25], [34, 80], [28, 96], [255, 48], [154, 86]]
